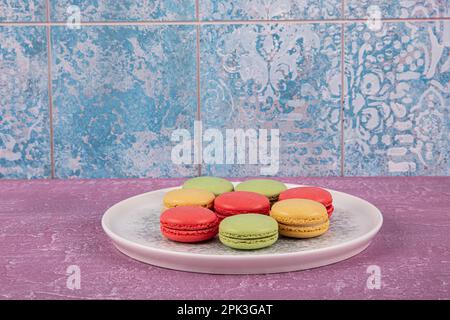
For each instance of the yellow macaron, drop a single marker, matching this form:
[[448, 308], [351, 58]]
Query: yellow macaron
[[188, 197], [300, 218]]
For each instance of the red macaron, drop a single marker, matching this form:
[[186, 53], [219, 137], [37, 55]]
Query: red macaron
[[189, 224], [238, 202], [311, 193]]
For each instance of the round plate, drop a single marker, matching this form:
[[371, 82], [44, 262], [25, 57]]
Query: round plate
[[133, 226]]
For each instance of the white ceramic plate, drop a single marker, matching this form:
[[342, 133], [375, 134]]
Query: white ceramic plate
[[133, 226]]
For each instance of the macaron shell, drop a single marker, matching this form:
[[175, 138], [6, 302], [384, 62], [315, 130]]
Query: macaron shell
[[188, 197], [267, 187], [330, 210], [189, 236], [189, 224], [299, 212], [213, 184], [304, 232], [248, 231], [209, 206], [232, 203], [243, 244]]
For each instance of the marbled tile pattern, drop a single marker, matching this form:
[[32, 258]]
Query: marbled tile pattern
[[22, 10], [118, 93], [398, 102], [24, 121], [124, 10], [275, 76], [398, 8], [269, 9]]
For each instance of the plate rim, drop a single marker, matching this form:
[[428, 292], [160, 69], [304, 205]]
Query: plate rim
[[129, 243]]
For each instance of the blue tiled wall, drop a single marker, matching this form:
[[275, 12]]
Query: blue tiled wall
[[118, 93], [102, 100]]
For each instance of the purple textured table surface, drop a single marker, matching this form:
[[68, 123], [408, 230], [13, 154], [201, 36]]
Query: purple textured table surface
[[49, 225]]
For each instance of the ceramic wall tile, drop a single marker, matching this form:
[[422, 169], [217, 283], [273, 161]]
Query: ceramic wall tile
[[22, 10], [358, 9], [398, 102], [128, 10], [269, 9], [284, 77], [118, 94], [24, 120], [119, 91]]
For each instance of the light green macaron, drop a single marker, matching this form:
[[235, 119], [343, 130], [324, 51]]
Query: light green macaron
[[211, 184], [269, 188], [248, 231]]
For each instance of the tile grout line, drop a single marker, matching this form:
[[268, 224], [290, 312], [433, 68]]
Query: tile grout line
[[197, 57], [342, 162], [49, 89], [223, 22]]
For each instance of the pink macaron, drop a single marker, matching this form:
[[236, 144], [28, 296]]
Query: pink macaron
[[238, 202], [189, 224]]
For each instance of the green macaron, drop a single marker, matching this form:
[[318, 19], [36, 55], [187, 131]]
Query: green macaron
[[211, 184], [248, 231], [269, 188]]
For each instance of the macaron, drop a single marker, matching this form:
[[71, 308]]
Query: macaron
[[269, 188], [238, 202], [311, 193], [188, 197], [300, 218], [189, 224], [211, 184], [248, 231]]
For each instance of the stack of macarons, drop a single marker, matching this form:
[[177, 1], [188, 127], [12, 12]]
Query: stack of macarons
[[248, 216]]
